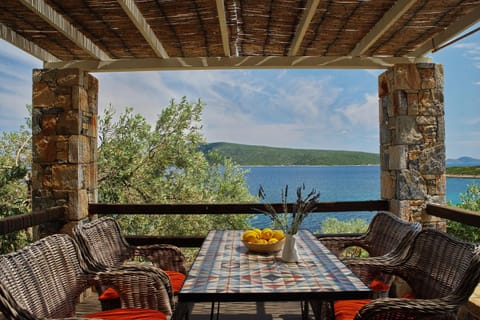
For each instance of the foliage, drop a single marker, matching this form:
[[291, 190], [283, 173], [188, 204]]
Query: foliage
[[139, 163], [268, 156], [15, 161], [335, 226], [288, 221], [468, 201], [471, 171]]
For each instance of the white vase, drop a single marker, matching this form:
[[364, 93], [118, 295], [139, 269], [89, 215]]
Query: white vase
[[289, 253]]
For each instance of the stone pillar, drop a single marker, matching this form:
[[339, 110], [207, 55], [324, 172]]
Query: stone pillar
[[64, 139], [412, 140]]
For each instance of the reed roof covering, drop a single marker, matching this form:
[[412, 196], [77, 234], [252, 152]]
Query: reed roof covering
[[117, 35]]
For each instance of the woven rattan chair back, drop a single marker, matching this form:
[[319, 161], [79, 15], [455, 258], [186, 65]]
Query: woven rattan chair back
[[104, 246], [436, 264], [102, 243], [386, 234], [44, 279], [442, 272]]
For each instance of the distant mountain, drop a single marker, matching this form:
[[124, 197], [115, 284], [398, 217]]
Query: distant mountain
[[261, 155], [463, 162]]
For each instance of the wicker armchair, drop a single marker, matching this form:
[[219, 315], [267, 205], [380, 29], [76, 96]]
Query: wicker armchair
[[441, 270], [105, 247], [45, 279], [386, 234]]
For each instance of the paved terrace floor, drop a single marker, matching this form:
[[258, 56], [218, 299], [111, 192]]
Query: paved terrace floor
[[250, 311], [262, 311], [228, 311]]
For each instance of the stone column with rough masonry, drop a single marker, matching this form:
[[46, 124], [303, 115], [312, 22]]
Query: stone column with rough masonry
[[64, 133], [412, 140]]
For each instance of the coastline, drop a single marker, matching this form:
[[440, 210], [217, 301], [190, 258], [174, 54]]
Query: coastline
[[463, 176]]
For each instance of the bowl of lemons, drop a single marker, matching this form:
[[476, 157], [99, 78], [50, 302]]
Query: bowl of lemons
[[263, 240]]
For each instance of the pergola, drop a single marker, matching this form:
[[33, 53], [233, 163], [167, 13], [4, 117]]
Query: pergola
[[75, 37], [96, 35]]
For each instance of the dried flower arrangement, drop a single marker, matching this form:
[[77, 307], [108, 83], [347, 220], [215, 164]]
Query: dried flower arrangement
[[288, 221]]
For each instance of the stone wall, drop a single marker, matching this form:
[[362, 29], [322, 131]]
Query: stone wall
[[64, 133], [412, 140]]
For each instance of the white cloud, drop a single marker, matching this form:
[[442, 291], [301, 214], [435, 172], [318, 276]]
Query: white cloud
[[473, 122], [16, 85], [307, 100], [273, 108], [365, 113], [471, 50]]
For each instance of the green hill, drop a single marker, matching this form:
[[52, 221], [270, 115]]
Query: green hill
[[261, 155], [473, 171]]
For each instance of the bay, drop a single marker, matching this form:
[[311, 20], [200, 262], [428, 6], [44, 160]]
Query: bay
[[335, 183]]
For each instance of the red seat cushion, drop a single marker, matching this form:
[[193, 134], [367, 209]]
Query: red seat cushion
[[128, 314], [176, 279], [347, 309], [109, 294], [409, 295], [378, 285]]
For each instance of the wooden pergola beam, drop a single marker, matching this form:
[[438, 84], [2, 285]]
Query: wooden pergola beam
[[56, 20], [302, 27], [388, 19], [142, 25], [26, 45], [455, 29], [219, 63], [222, 21]]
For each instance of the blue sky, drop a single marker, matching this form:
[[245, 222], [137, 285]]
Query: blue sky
[[311, 109]]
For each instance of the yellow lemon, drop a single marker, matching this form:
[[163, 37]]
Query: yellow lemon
[[250, 236], [261, 241], [258, 231], [272, 240], [278, 234], [248, 232], [266, 233]]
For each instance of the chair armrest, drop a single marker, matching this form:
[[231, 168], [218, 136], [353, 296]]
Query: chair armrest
[[164, 256], [368, 269], [339, 243], [138, 287], [398, 309]]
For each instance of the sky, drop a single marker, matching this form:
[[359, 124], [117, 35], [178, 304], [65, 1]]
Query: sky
[[304, 109]]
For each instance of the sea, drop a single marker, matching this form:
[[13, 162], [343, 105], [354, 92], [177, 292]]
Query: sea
[[335, 183]]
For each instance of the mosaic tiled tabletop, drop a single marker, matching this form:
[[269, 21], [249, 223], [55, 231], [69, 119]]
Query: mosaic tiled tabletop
[[224, 270]]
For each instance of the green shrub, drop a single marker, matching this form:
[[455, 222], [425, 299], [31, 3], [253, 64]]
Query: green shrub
[[469, 201], [333, 225]]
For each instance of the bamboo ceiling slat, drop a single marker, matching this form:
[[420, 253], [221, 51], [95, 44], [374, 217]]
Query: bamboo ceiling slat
[[108, 24], [26, 24], [417, 26]]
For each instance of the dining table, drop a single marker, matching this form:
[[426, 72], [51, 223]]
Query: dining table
[[224, 270]]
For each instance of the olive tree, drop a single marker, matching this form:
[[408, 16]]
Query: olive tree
[[163, 163], [15, 162]]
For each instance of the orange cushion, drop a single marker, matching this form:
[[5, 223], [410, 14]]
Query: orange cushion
[[128, 314], [109, 294], [176, 279], [347, 309], [378, 285]]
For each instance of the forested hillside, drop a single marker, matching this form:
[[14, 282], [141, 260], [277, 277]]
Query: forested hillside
[[261, 155]]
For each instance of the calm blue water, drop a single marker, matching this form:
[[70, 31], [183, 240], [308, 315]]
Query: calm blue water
[[335, 183]]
